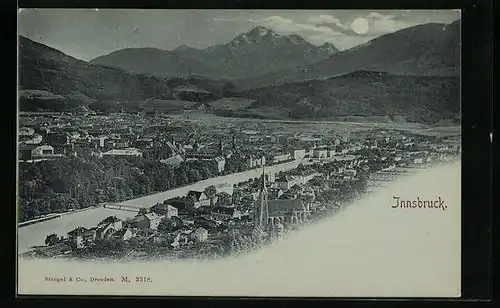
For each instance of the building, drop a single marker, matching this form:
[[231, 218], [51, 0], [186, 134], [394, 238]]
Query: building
[[350, 173], [270, 212], [286, 181], [304, 192], [166, 210], [320, 183], [222, 213], [181, 238], [108, 226], [123, 234], [261, 210], [82, 237], [281, 158], [299, 154], [290, 210], [173, 161], [253, 162], [320, 153], [144, 143], [98, 142], [123, 152], [200, 235], [308, 175], [26, 131], [42, 150], [275, 193], [233, 144], [147, 221], [198, 199], [221, 163], [34, 139], [25, 151], [332, 152]]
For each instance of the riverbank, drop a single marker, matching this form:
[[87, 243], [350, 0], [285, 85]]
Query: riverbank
[[34, 234]]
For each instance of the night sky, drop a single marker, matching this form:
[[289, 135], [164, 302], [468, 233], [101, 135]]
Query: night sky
[[86, 33]]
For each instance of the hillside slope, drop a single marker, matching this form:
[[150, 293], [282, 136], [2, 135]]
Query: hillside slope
[[425, 99], [52, 80]]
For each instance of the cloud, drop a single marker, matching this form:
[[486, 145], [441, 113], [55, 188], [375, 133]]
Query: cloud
[[230, 19], [381, 24], [327, 19], [378, 16], [288, 26]]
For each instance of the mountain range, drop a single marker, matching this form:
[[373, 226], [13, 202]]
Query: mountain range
[[431, 49], [261, 57], [412, 73], [424, 99], [52, 80], [256, 52]]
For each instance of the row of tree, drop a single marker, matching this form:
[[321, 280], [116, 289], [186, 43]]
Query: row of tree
[[73, 183]]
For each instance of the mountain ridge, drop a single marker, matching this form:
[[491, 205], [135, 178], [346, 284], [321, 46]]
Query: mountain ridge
[[259, 50], [427, 49], [425, 99], [63, 82]]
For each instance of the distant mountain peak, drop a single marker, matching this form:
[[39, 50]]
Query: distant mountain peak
[[183, 48], [260, 30], [329, 48], [255, 35], [257, 51], [297, 39]]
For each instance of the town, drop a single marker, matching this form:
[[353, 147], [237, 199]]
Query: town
[[70, 162]]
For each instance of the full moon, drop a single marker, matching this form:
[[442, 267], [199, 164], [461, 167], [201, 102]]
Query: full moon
[[360, 25]]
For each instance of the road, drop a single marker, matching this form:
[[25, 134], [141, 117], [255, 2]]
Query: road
[[34, 235]]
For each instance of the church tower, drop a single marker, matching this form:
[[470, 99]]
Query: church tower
[[221, 148], [262, 206]]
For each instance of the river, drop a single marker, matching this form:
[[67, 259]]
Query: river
[[34, 234], [368, 250]]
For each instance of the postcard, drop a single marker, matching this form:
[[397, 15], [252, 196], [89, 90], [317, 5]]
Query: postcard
[[247, 153]]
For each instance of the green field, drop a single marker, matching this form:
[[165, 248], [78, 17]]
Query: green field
[[231, 103]]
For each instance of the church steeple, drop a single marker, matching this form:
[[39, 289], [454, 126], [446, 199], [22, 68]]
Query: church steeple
[[221, 148], [262, 207], [263, 187]]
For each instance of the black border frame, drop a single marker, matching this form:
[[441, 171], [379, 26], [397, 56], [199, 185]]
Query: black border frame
[[477, 121]]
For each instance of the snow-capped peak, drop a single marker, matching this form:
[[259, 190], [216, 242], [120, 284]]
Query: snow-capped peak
[[255, 35], [328, 47], [259, 30], [296, 39]]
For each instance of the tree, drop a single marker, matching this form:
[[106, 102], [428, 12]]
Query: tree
[[111, 246], [167, 225], [210, 191], [258, 236], [224, 197]]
